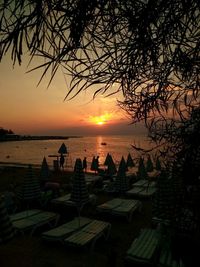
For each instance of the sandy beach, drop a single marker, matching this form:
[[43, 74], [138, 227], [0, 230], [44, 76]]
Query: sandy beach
[[33, 251]]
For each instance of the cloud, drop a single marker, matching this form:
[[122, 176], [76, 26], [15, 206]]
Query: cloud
[[107, 129]]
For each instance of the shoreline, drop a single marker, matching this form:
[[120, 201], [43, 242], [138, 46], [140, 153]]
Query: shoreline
[[17, 165], [25, 165], [11, 138]]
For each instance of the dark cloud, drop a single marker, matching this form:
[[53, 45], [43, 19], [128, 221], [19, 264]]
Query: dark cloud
[[111, 129]]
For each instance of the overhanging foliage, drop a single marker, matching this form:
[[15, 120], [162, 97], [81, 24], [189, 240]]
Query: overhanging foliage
[[148, 49]]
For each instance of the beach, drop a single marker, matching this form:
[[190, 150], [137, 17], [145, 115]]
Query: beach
[[33, 251]]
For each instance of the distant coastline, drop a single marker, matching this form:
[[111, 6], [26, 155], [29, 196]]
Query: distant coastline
[[16, 137]]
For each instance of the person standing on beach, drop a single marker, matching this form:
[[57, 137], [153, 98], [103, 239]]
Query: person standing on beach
[[96, 164], [85, 164], [62, 161]]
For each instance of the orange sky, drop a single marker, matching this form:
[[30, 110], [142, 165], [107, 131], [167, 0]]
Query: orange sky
[[28, 109]]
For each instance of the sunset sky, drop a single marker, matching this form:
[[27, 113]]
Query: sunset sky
[[28, 109]]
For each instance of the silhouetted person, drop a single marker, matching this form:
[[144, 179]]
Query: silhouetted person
[[85, 164], [62, 161], [96, 165]]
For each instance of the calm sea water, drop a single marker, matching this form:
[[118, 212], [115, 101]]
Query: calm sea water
[[33, 152]]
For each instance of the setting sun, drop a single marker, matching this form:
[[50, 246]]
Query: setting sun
[[100, 120]]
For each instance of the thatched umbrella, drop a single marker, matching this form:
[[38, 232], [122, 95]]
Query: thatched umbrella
[[44, 172], [158, 164], [92, 168], [107, 160], [162, 205], [6, 228], [111, 167], [30, 189], [129, 162], [95, 164], [62, 149], [141, 173], [149, 164], [79, 193], [122, 184]]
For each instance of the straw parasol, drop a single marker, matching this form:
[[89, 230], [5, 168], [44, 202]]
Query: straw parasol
[[79, 193], [111, 168], [94, 164], [158, 164], [107, 160], [122, 184], [62, 149], [30, 190], [44, 171], [162, 205], [149, 164], [6, 228], [141, 173], [129, 162]]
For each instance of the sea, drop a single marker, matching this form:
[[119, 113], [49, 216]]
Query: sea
[[21, 153]]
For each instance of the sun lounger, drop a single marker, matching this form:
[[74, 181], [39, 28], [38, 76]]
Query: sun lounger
[[65, 200], [89, 234], [141, 192], [144, 249], [120, 207], [61, 200], [109, 205], [147, 193], [166, 259], [134, 191], [34, 221], [61, 232], [127, 208], [24, 214], [140, 183]]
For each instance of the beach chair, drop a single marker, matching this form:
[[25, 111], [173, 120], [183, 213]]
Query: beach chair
[[61, 232], [65, 200], [120, 207], [109, 205], [61, 200], [147, 192], [34, 221], [144, 191], [144, 249], [24, 214], [89, 234], [166, 259], [141, 183], [127, 208], [134, 191]]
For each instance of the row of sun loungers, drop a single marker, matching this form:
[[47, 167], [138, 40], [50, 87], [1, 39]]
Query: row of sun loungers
[[146, 250], [116, 206], [140, 189], [79, 232]]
